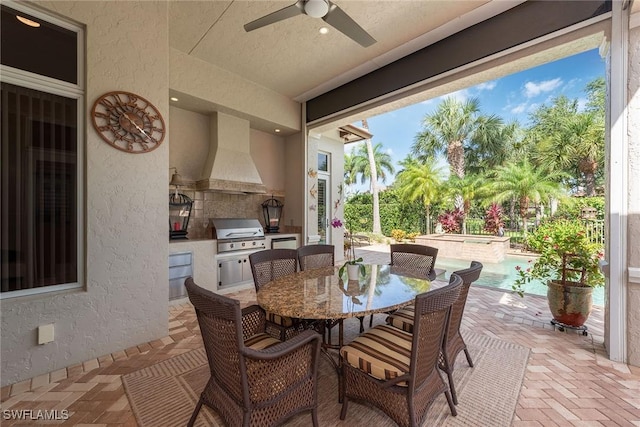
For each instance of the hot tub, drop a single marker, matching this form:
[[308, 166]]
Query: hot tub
[[467, 246]]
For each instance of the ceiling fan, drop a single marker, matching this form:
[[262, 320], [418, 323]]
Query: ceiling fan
[[329, 12]]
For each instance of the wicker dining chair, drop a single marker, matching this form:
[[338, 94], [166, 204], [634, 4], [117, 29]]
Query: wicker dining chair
[[256, 380], [420, 258], [397, 371], [269, 265], [453, 342], [316, 256]]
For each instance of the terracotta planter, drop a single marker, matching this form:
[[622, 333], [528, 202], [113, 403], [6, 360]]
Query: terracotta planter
[[570, 304]]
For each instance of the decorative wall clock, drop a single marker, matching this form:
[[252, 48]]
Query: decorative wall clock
[[128, 122]]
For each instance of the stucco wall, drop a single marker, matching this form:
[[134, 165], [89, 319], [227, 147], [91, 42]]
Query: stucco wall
[[267, 151], [633, 224], [332, 143], [125, 300]]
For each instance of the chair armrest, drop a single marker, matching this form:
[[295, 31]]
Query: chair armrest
[[287, 367], [396, 380], [285, 347], [253, 321]]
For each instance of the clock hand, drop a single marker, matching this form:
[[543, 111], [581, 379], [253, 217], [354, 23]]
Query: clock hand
[[142, 131]]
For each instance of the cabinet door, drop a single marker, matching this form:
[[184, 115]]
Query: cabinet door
[[230, 271], [246, 270]]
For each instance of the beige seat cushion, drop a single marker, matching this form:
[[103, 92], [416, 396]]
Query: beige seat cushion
[[261, 341], [280, 320], [402, 319], [383, 352]]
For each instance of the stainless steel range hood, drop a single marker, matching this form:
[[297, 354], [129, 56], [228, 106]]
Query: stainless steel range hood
[[229, 167]]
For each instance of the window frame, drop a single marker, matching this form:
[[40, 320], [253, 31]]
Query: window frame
[[76, 92]]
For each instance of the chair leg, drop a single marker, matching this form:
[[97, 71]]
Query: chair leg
[[343, 412], [451, 405], [361, 319], [454, 396], [469, 361], [192, 420], [371, 322], [314, 417]]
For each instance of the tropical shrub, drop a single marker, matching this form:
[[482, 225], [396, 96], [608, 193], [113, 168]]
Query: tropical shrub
[[493, 219], [398, 235], [451, 220]]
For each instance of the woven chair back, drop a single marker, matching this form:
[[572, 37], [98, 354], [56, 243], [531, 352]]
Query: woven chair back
[[316, 256], [220, 323], [468, 275], [420, 258], [271, 264], [431, 314]]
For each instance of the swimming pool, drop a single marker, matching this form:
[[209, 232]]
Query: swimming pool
[[502, 275]]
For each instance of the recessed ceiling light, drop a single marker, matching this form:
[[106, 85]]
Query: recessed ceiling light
[[277, 130], [324, 30], [28, 21], [173, 98]]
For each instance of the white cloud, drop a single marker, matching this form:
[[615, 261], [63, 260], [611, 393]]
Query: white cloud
[[532, 89], [582, 104], [487, 85], [428, 101], [520, 108], [459, 95], [389, 151], [532, 107]]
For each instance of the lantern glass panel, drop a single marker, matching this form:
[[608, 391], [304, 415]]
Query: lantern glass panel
[[179, 214]]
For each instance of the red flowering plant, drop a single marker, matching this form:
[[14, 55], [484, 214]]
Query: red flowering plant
[[451, 220], [566, 256]]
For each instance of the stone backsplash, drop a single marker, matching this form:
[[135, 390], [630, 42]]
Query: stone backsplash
[[208, 205]]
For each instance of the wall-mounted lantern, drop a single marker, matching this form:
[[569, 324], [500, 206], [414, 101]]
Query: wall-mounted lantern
[[179, 214], [272, 209]]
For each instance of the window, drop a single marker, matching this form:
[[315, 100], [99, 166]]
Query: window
[[41, 153], [323, 162]]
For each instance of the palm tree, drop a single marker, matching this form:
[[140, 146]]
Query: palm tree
[[451, 129], [469, 188], [350, 175], [420, 182], [568, 140], [372, 163], [525, 183]]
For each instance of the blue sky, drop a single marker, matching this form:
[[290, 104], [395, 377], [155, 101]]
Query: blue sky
[[511, 97]]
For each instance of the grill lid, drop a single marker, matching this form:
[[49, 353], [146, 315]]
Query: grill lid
[[237, 229]]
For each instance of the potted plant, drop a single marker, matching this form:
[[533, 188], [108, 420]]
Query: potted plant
[[354, 268], [570, 265]]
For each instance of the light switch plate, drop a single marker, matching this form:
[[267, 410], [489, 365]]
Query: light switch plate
[[45, 333]]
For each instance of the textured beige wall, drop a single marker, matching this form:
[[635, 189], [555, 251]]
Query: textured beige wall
[[205, 81], [189, 136], [267, 151], [294, 182], [124, 302], [633, 236]]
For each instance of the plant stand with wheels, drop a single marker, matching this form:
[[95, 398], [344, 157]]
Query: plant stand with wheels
[[561, 327]]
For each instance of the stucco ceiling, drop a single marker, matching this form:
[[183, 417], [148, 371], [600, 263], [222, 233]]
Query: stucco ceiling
[[292, 58]]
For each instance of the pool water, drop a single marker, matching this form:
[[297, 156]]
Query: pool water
[[503, 275]]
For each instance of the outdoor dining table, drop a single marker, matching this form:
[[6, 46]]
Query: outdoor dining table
[[323, 295]]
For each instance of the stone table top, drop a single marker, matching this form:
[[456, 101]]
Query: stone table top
[[322, 294]]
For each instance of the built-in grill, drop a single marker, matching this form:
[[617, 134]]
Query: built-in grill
[[237, 234], [237, 238]]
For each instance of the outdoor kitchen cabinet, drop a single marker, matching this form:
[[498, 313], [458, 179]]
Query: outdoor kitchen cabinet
[[234, 270], [180, 267]]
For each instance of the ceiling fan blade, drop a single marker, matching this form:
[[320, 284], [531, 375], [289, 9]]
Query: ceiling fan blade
[[279, 15], [342, 22]]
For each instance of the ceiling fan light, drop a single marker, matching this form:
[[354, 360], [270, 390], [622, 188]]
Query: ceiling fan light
[[316, 8]]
